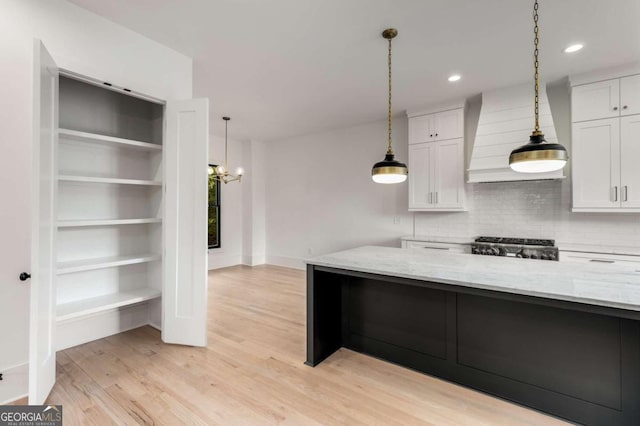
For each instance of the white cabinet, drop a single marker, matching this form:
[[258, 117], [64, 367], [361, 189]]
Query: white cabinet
[[604, 99], [436, 176], [421, 129], [421, 176], [596, 164], [630, 95], [436, 126], [630, 162], [119, 238], [449, 124], [596, 100], [605, 146]]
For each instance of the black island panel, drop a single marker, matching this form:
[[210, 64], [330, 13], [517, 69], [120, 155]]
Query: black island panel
[[574, 361]]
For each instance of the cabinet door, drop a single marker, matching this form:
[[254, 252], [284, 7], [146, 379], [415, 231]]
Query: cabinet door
[[421, 129], [421, 176], [630, 161], [184, 293], [449, 174], [596, 100], [596, 164], [42, 354], [630, 95], [449, 124]]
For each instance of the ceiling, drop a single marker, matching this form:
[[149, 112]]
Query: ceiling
[[282, 68]]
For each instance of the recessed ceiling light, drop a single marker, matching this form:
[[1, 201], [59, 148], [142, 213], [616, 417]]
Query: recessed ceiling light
[[454, 77], [573, 48]]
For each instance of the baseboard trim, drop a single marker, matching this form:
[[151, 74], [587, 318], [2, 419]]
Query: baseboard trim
[[14, 384], [87, 329], [254, 260], [221, 260], [287, 262]]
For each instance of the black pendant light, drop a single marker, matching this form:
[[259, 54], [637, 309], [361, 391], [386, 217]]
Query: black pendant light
[[538, 156], [389, 170]]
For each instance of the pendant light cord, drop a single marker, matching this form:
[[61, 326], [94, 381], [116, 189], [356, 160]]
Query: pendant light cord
[[536, 41], [389, 149]]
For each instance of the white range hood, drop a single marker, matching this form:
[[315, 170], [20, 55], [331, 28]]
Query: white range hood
[[505, 123]]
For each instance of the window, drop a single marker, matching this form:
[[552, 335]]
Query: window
[[214, 209]]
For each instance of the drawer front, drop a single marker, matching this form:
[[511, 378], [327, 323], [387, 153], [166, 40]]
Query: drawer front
[[570, 256]]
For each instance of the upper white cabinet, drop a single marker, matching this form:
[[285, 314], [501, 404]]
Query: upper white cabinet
[[606, 146], [630, 95], [438, 126], [606, 99], [436, 160], [596, 100]]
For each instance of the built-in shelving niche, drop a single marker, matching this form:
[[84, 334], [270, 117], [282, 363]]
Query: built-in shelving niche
[[109, 209]]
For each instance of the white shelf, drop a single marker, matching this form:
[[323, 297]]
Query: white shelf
[[103, 262], [108, 140], [94, 305], [90, 179], [105, 222]]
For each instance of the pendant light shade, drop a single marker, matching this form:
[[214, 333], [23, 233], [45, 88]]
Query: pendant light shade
[[389, 170], [538, 156]]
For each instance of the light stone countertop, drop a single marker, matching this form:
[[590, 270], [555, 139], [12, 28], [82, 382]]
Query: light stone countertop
[[610, 285]]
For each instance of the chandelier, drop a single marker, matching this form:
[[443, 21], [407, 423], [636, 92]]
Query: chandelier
[[221, 172]]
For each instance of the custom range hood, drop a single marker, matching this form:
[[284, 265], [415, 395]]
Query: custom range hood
[[505, 122]]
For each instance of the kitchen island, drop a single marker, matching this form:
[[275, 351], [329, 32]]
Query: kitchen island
[[563, 338]]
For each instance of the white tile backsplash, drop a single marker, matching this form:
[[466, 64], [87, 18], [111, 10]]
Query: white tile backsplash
[[535, 209]]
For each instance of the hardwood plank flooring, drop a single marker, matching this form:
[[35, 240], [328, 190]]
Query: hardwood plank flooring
[[252, 372]]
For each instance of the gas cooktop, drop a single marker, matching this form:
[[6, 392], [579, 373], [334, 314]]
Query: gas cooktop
[[526, 248]]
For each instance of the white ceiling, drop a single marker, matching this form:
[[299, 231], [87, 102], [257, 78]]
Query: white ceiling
[[282, 68]]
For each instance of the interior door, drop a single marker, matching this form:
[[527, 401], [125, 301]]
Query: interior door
[[42, 355], [184, 295], [596, 164], [629, 155], [449, 174], [421, 176]]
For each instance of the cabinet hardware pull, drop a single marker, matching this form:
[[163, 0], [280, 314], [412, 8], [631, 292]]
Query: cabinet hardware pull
[[615, 108], [602, 261], [431, 135], [24, 276], [626, 193], [615, 193], [436, 134], [429, 198], [624, 107]]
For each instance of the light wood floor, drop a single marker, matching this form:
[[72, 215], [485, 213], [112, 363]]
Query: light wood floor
[[252, 372]]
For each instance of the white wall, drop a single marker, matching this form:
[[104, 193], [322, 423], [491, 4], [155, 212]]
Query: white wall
[[231, 200], [254, 207], [320, 197], [82, 42]]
